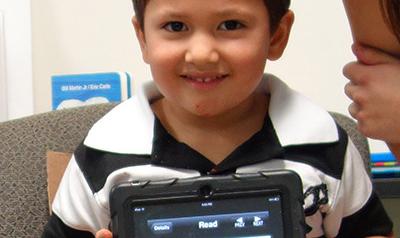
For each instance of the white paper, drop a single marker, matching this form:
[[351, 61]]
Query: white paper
[[18, 57], [3, 79]]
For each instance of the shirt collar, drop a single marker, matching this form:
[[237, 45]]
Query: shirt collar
[[295, 118], [129, 127], [168, 152]]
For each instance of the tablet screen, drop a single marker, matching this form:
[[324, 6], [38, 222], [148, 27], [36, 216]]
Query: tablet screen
[[257, 216]]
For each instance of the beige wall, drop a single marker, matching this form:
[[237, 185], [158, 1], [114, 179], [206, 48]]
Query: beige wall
[[75, 36]]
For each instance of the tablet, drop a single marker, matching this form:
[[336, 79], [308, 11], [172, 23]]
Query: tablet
[[265, 205]]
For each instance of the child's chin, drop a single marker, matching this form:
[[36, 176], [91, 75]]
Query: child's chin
[[202, 111], [207, 113]]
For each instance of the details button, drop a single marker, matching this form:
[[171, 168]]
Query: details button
[[161, 227]]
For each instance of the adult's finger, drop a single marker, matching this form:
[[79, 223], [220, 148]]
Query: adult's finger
[[353, 110], [349, 89], [354, 71], [103, 233], [372, 56]]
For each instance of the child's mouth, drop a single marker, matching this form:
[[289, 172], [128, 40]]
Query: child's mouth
[[204, 79]]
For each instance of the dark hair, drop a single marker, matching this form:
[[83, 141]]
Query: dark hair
[[276, 9], [391, 12]]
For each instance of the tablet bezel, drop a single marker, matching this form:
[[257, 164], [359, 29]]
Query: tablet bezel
[[285, 183]]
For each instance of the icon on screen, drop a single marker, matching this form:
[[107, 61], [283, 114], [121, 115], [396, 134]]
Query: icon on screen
[[161, 227], [139, 209], [258, 221], [239, 223]]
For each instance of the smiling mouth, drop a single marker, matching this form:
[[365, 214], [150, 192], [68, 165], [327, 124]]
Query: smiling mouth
[[205, 78]]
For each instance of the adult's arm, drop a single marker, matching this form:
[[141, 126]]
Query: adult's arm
[[373, 78], [374, 88]]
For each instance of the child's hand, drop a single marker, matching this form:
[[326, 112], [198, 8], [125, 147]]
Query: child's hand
[[374, 88], [103, 233]]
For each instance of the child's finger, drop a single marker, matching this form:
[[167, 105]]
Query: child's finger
[[103, 233], [371, 56]]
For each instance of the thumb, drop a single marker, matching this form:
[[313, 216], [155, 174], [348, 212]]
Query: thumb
[[103, 233], [372, 56]]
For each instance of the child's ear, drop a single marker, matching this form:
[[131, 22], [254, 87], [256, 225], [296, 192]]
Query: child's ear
[[280, 37], [141, 38]]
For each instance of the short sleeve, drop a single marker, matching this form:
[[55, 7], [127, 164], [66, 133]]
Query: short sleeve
[[75, 203], [355, 196]]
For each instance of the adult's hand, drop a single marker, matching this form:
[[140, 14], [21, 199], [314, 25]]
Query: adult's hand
[[374, 88], [104, 233]]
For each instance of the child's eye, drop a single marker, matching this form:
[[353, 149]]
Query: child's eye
[[231, 25], [175, 26]]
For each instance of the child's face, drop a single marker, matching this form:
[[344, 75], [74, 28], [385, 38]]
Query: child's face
[[207, 56]]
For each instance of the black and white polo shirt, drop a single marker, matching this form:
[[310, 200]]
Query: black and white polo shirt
[[129, 143]]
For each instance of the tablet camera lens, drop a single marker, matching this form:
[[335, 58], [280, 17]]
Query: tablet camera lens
[[206, 191]]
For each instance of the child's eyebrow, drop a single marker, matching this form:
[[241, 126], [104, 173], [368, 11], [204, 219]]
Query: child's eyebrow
[[220, 13], [233, 12], [171, 13]]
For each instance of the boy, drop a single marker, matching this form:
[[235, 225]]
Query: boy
[[211, 111]]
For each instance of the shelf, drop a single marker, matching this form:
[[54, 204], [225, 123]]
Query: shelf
[[387, 187]]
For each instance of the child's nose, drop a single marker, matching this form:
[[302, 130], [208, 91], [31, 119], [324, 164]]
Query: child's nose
[[202, 50]]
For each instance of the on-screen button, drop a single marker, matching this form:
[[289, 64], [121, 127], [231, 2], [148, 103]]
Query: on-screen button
[[161, 227]]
